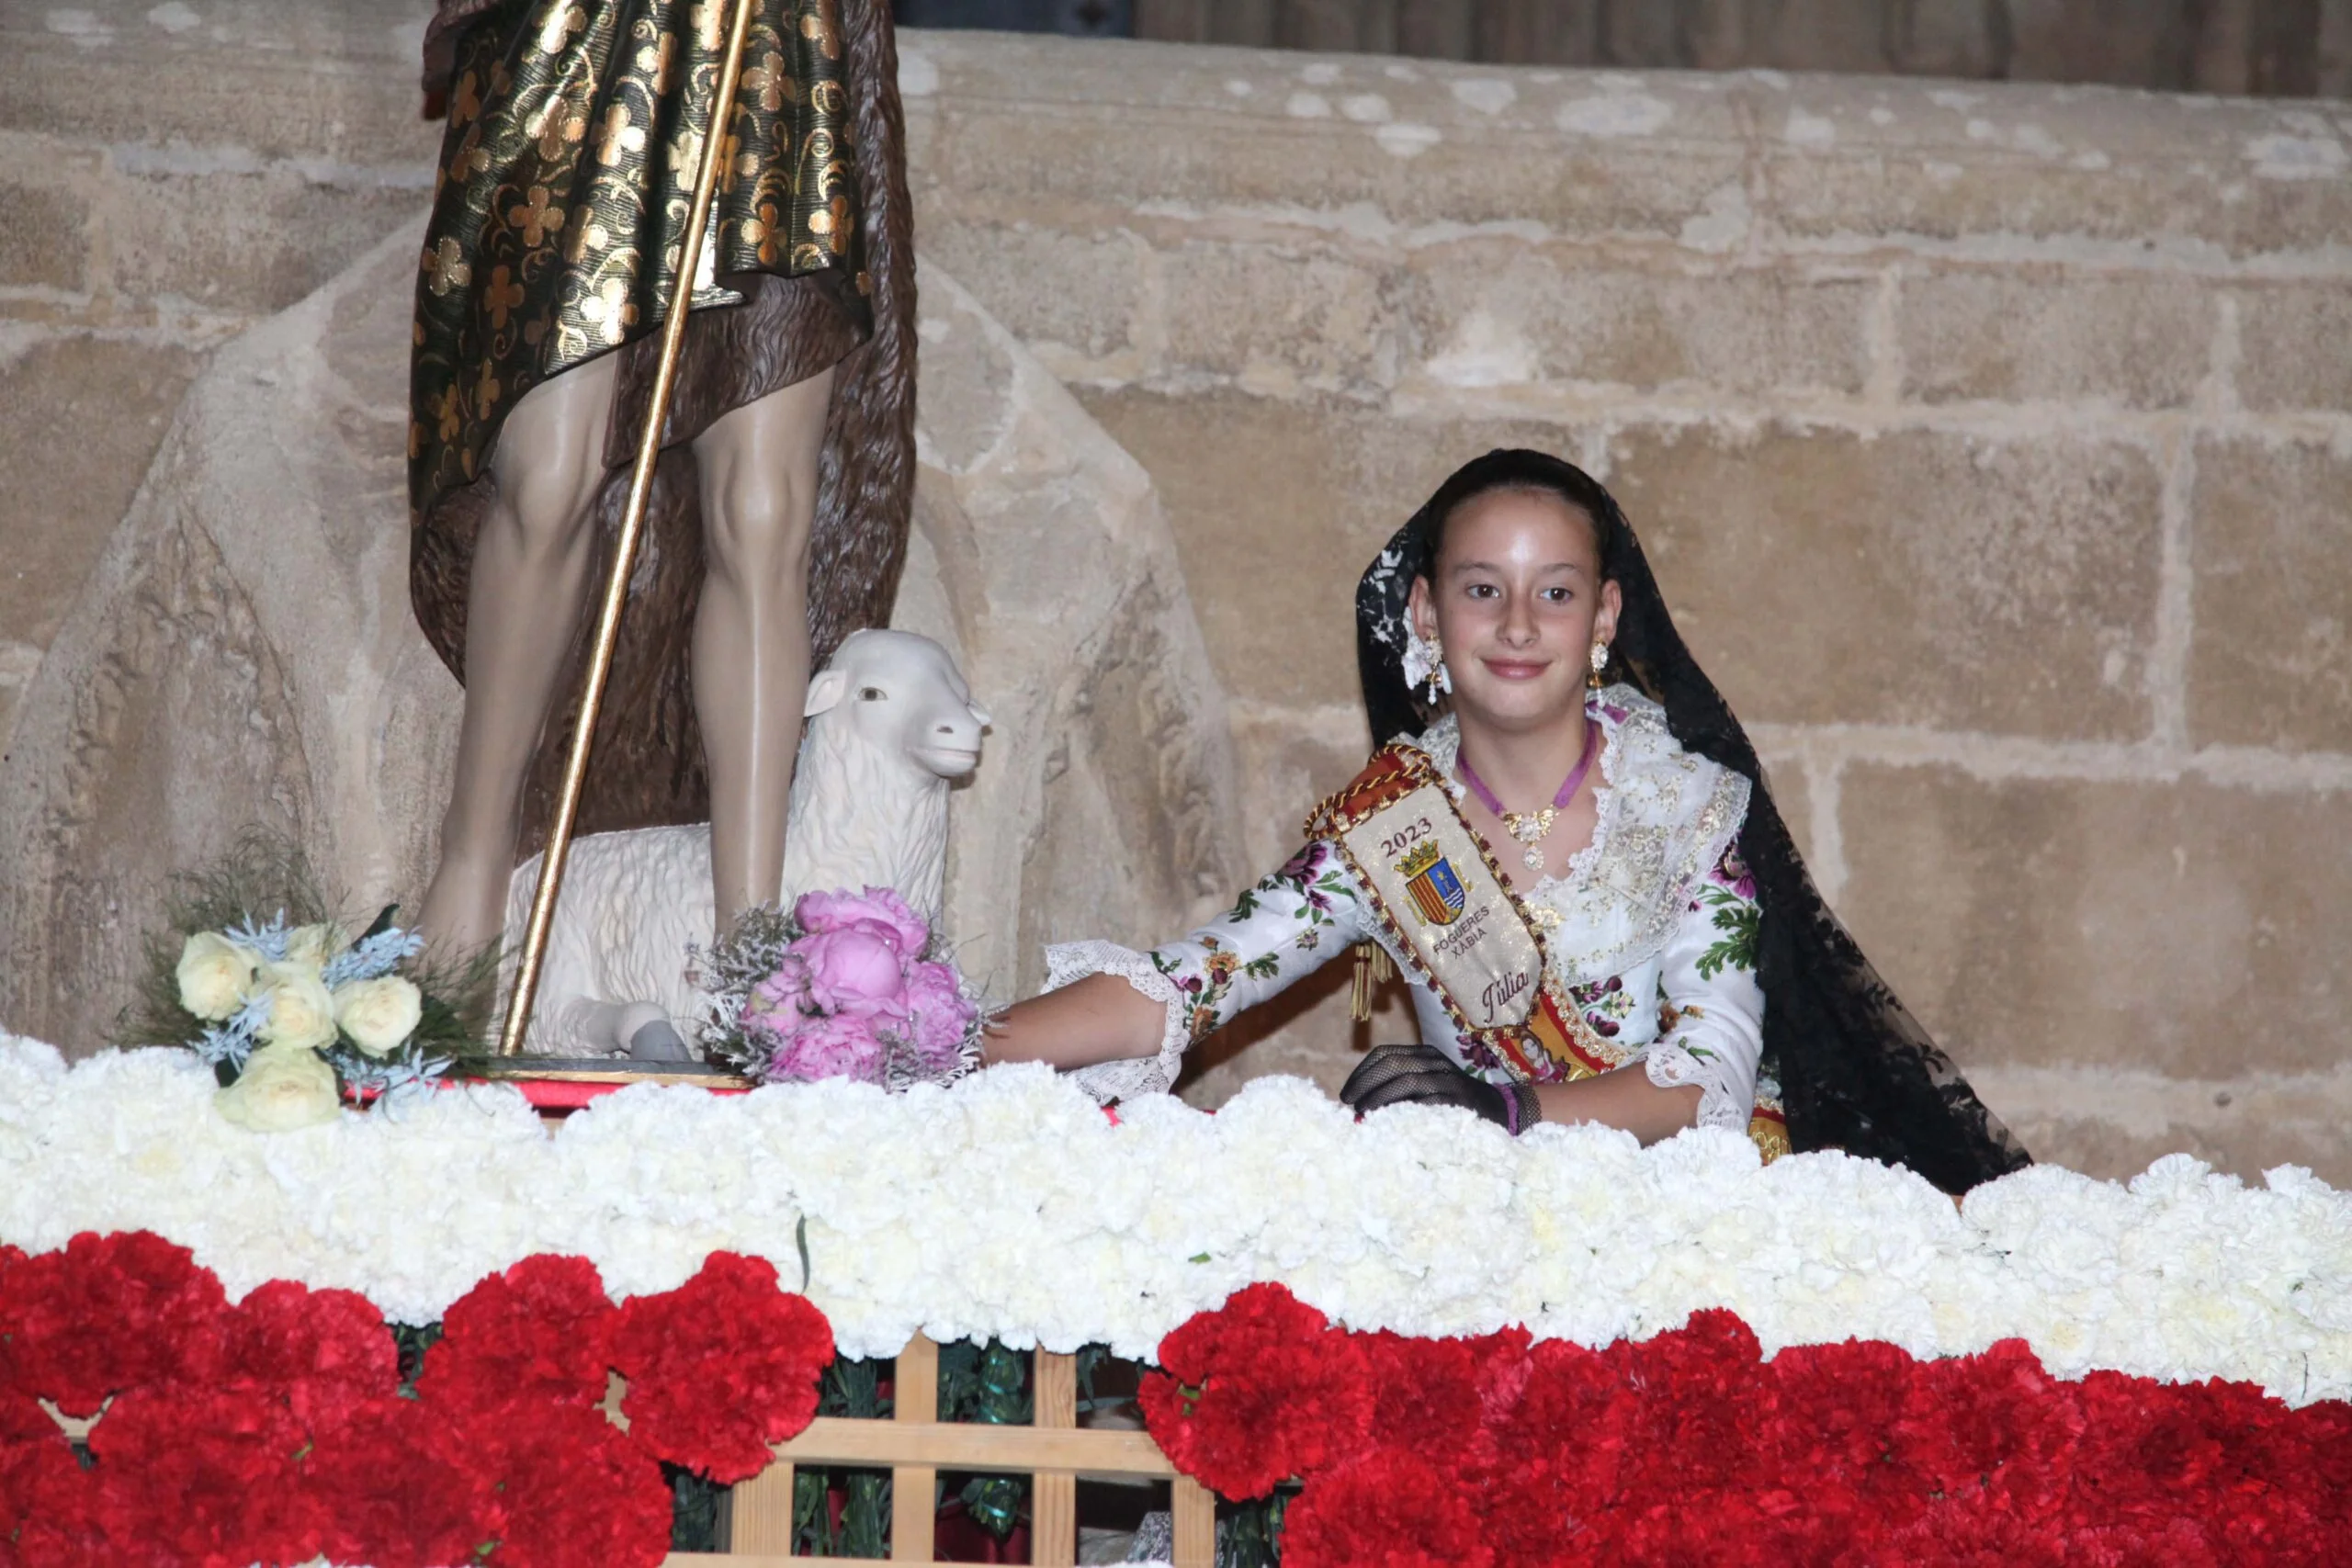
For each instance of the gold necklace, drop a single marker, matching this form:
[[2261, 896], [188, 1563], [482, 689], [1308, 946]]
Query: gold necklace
[[1530, 828]]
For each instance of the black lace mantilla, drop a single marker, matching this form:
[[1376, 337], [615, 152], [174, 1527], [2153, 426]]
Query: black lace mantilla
[[1857, 1071]]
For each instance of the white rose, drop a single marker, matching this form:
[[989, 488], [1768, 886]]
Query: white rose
[[282, 1088], [379, 1014], [301, 1014], [215, 975], [312, 946]]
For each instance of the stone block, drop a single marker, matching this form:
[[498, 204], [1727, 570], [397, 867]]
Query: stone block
[[1490, 311], [1072, 299], [44, 235], [1273, 318], [1093, 131], [2174, 926], [2019, 335], [2292, 343], [1917, 578], [83, 416], [320, 83], [1288, 759], [1862, 162], [250, 243], [1276, 507], [2271, 659], [1791, 782], [2114, 1123]]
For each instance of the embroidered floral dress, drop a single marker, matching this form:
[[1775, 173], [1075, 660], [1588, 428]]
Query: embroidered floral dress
[[1651, 930]]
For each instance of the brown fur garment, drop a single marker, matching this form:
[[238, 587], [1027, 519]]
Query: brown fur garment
[[646, 765]]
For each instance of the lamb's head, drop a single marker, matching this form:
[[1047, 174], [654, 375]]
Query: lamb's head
[[901, 694]]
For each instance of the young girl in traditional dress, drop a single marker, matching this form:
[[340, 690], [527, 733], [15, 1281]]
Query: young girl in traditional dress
[[1575, 862]]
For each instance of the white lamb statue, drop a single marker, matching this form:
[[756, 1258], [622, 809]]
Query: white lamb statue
[[890, 723]]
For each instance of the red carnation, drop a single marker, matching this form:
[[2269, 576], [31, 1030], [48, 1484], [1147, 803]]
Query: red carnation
[[49, 1506], [1578, 1412], [321, 1349], [108, 1314], [541, 1331], [1387, 1508], [1258, 1390], [1442, 1396], [1531, 1513], [22, 1420], [207, 1477], [406, 1488], [1704, 1395], [1996, 1423], [721, 1367], [1839, 1408], [1974, 1532], [577, 1493]]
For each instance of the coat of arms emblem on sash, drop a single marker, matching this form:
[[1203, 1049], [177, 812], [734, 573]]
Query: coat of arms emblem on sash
[[1439, 897]]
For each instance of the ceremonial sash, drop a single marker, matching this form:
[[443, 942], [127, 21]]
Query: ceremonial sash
[[1453, 917]]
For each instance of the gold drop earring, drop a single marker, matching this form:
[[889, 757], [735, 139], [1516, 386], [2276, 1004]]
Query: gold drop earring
[[1600, 662]]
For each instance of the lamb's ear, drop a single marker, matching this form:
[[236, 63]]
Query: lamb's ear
[[824, 691]]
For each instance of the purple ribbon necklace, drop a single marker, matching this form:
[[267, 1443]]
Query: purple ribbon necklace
[[1530, 827]]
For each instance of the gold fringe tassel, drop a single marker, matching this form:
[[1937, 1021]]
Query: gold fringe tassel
[[1373, 968]]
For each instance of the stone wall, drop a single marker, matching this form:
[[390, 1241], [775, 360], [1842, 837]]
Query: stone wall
[[1990, 442], [169, 175], [2287, 47]]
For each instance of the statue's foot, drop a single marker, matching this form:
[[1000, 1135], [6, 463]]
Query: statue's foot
[[650, 1036], [658, 1041]]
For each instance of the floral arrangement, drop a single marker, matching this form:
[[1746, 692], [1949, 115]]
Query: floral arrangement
[[1420, 1221], [844, 986], [287, 1426], [289, 1009], [1495, 1451]]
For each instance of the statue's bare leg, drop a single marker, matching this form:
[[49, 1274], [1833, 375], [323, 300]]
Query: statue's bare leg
[[523, 608], [758, 465]]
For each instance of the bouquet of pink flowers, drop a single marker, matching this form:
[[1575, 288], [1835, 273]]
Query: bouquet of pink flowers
[[846, 985]]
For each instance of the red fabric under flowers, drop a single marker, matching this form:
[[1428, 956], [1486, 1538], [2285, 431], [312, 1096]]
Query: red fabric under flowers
[[275, 1431], [1690, 1448]]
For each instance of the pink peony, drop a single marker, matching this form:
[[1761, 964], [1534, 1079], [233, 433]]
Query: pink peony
[[778, 1004], [877, 908], [855, 970], [785, 992], [842, 1046], [942, 1015]]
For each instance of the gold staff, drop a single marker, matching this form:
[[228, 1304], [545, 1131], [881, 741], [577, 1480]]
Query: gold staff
[[641, 487]]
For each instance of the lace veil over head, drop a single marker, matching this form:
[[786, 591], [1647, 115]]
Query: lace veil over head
[[1857, 1071]]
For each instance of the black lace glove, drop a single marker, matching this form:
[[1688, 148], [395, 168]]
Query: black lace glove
[[1423, 1075]]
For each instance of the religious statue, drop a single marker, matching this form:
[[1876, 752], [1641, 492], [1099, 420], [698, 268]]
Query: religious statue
[[777, 519]]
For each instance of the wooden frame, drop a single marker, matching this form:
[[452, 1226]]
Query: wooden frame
[[916, 1448]]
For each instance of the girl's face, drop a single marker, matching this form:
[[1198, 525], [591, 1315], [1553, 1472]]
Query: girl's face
[[1515, 597]]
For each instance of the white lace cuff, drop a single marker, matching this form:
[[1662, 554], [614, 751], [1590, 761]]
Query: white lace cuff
[[1723, 1102], [1107, 1081]]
